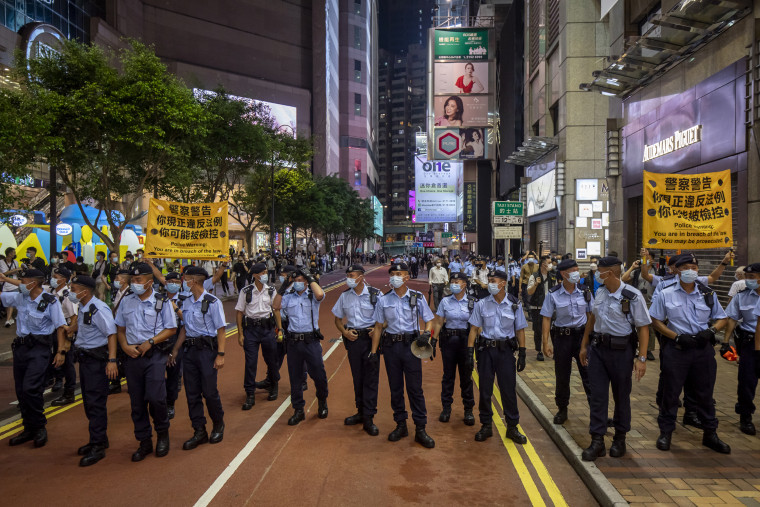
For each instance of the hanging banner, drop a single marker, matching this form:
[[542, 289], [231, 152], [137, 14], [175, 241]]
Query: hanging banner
[[687, 211], [187, 231]]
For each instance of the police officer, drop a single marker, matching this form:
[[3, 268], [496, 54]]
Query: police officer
[[741, 312], [203, 339], [400, 309], [452, 328], [39, 322], [59, 287], [144, 319], [688, 350], [572, 303], [619, 315], [95, 351], [479, 279], [256, 328], [357, 306], [301, 303], [173, 285], [456, 266], [497, 324]]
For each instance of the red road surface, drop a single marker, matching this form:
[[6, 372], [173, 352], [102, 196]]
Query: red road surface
[[319, 462]]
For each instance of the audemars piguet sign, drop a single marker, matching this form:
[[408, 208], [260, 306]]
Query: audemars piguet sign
[[680, 139]]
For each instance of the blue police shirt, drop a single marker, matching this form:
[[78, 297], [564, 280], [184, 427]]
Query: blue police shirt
[[455, 267], [686, 313], [455, 311], [398, 313], [571, 307], [742, 308], [497, 320], [196, 323], [608, 311], [141, 320], [358, 309], [500, 267], [468, 268], [662, 283], [300, 309], [29, 319], [95, 334]]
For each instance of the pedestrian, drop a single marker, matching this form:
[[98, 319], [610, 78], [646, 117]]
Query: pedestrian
[[619, 315], [144, 319], [570, 304], [59, 280], [241, 273], [99, 274], [95, 352], [40, 322], [452, 328], [256, 328], [498, 331], [10, 268], [539, 285], [688, 341], [438, 278], [401, 309]]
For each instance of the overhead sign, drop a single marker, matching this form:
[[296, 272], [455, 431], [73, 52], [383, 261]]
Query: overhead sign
[[504, 208], [679, 140], [460, 44], [187, 231], [436, 190], [507, 232], [63, 229], [687, 211]]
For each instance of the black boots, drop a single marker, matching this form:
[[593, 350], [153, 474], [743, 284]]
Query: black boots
[[353, 420], [82, 451], [400, 432], [469, 419], [370, 428], [485, 432], [263, 384], [297, 417], [200, 436], [746, 426], [170, 410], [617, 449], [421, 437], [217, 433], [162, 444], [595, 450], [146, 447], [445, 415], [274, 391], [95, 453], [692, 419], [515, 436], [114, 387], [710, 440], [67, 398], [250, 401], [322, 410], [663, 442], [561, 416], [39, 436]]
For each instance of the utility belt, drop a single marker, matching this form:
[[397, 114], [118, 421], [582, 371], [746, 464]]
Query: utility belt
[[406, 338], [567, 331], [362, 332], [740, 335], [201, 342], [33, 339], [307, 338], [610, 341], [265, 322], [509, 344], [447, 333], [82, 354]]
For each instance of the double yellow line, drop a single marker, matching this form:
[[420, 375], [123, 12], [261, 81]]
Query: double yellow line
[[522, 470]]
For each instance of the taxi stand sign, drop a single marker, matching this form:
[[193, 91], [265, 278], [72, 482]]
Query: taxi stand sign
[[507, 212]]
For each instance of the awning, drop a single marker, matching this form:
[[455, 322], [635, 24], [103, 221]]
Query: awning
[[532, 150]]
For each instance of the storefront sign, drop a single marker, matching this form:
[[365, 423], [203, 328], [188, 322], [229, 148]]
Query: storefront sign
[[470, 202], [436, 190], [188, 231], [63, 229], [687, 211], [680, 139]]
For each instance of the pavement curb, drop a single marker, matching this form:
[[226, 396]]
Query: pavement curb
[[602, 489]]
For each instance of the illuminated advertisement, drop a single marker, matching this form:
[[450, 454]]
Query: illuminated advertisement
[[460, 44], [378, 209], [460, 78], [284, 116], [461, 111], [541, 192], [461, 143], [436, 190]]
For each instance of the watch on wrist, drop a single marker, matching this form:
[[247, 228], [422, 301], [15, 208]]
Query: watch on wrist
[[220, 354], [714, 331], [150, 340], [724, 264], [112, 360], [643, 359]]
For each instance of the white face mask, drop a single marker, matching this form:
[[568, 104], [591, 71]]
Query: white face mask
[[352, 283], [396, 281], [493, 288], [593, 266], [574, 277], [54, 283]]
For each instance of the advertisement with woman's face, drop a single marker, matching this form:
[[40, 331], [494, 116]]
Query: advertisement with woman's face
[[460, 77], [460, 111]]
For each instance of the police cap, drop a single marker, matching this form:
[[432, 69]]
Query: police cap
[[84, 281], [498, 274], [566, 264], [458, 276], [288, 269], [257, 268], [196, 271], [62, 271], [608, 262], [398, 266], [686, 259], [752, 268], [122, 272], [31, 273], [673, 259], [172, 276], [355, 267], [140, 268]]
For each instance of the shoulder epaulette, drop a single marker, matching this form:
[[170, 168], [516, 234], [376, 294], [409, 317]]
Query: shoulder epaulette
[[210, 298], [704, 289], [49, 298], [668, 277], [555, 288], [627, 294]]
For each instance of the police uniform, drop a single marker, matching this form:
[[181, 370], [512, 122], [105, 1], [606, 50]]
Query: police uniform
[[455, 267], [456, 313], [95, 325], [571, 309], [203, 317], [690, 356], [359, 310], [139, 321], [499, 323], [742, 309], [255, 306], [67, 371], [36, 325], [174, 370]]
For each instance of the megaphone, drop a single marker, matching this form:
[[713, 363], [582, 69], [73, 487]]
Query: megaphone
[[422, 352]]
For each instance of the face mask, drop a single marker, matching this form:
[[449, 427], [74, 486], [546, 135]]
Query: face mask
[[264, 278], [574, 277], [73, 298], [54, 283], [752, 284], [531, 261], [117, 284], [30, 254], [100, 259], [173, 287], [185, 287], [493, 288], [438, 264], [352, 283], [80, 263], [598, 277], [593, 266], [282, 279], [137, 288], [54, 260], [25, 290], [299, 286], [455, 288], [396, 281], [689, 275]]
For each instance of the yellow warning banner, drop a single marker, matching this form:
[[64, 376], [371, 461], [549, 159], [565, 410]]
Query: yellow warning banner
[[687, 211], [187, 231]]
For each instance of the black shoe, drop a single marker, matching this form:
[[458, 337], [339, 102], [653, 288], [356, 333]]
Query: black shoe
[[540, 356], [146, 447], [595, 450], [114, 387], [663, 442], [353, 420], [263, 384], [86, 448], [692, 419], [445, 415], [67, 398], [322, 410], [162, 444], [57, 385], [650, 356], [561, 416], [297, 417], [710, 440], [304, 386], [217, 433], [515, 436], [370, 428], [94, 454], [40, 437], [21, 438], [617, 449], [170, 410], [469, 419], [199, 437], [274, 392], [250, 401], [484, 433], [746, 425], [421, 437], [400, 432]]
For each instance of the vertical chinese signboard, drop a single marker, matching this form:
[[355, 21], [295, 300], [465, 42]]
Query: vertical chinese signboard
[[470, 206]]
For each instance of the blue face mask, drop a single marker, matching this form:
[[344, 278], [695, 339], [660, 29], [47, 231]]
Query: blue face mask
[[689, 275], [299, 286], [574, 277], [352, 283], [455, 288], [25, 290], [493, 288], [54, 283], [282, 279], [752, 284], [598, 277], [264, 279], [137, 288], [173, 287], [396, 281], [185, 287]]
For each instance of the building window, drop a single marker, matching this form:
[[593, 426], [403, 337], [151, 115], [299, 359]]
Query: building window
[[554, 115], [358, 36], [358, 71], [358, 6], [357, 104]]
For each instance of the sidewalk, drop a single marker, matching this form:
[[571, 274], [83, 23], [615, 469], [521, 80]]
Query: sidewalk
[[689, 474]]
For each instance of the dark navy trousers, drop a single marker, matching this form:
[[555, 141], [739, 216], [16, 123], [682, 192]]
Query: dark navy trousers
[[146, 382], [607, 367], [66, 372], [401, 366], [566, 349], [454, 356], [308, 355], [173, 378], [499, 365], [94, 383], [253, 338], [745, 391], [366, 375], [30, 363], [200, 383], [282, 351]]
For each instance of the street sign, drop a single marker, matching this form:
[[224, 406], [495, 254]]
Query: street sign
[[504, 208], [507, 232], [447, 234], [417, 245], [508, 220], [408, 243]]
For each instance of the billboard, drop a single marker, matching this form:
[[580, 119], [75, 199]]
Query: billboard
[[460, 77], [462, 143], [284, 116], [461, 44], [378, 209], [541, 193], [436, 190], [461, 111]]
